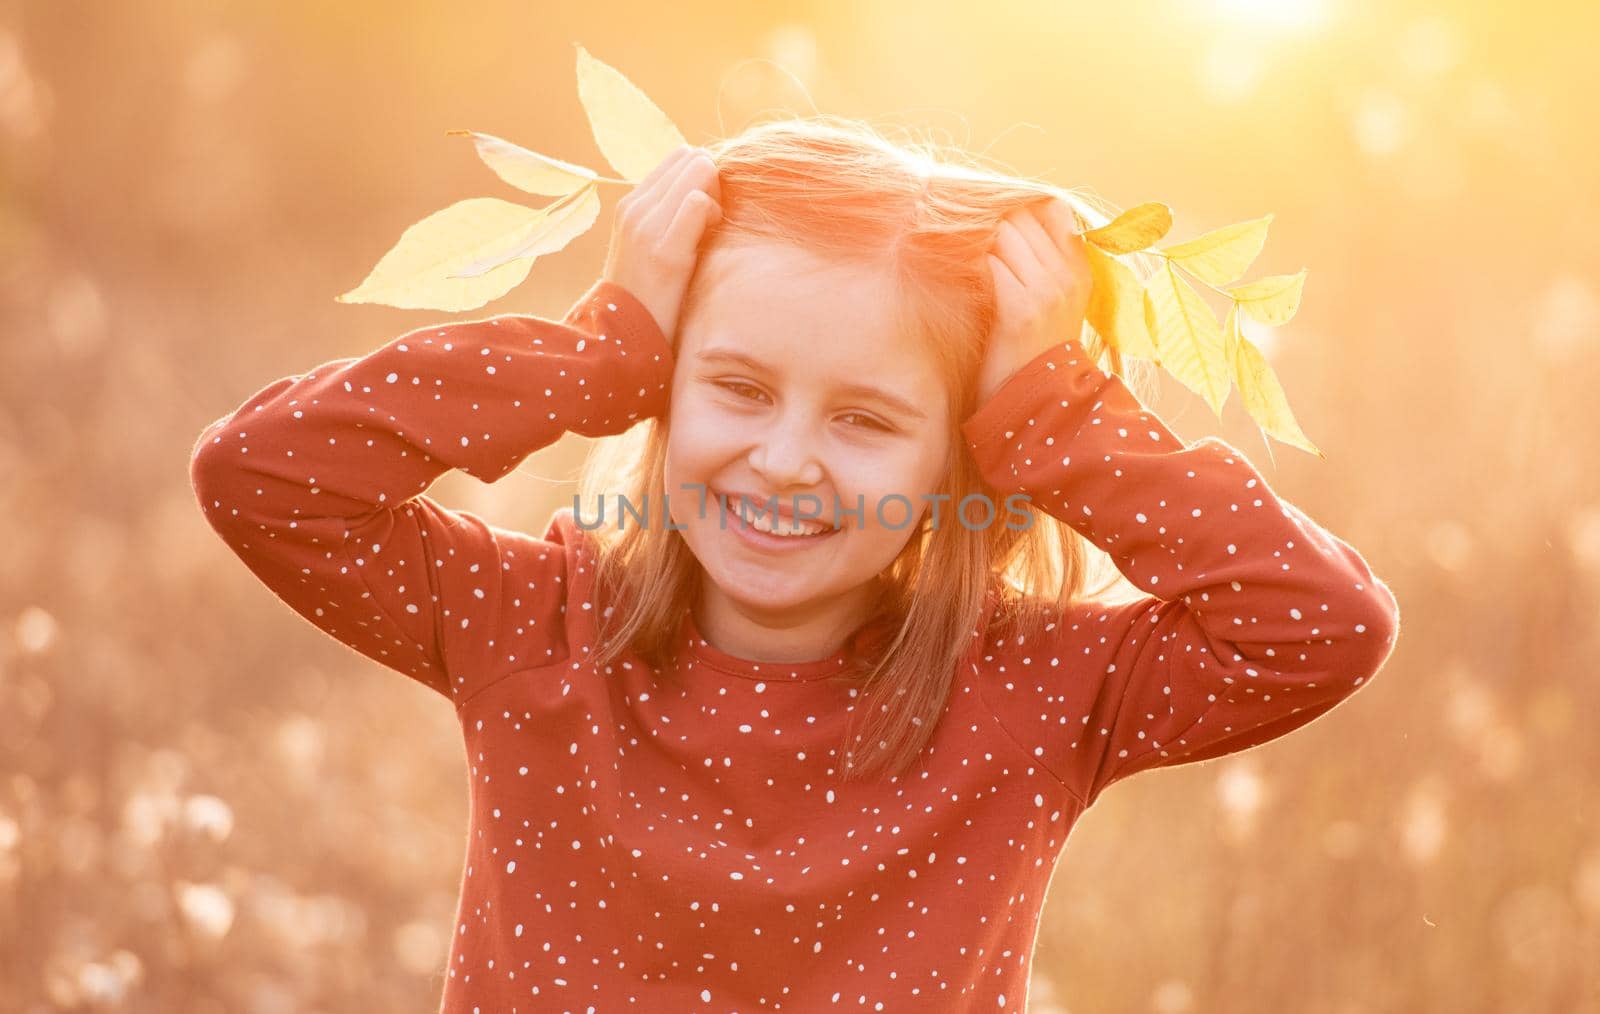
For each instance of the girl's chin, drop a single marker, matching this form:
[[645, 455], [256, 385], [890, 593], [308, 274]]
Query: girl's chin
[[773, 582], [771, 585]]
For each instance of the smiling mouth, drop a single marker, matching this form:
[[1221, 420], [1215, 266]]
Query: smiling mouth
[[752, 513]]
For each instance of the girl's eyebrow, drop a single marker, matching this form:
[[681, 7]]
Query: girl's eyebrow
[[894, 401]]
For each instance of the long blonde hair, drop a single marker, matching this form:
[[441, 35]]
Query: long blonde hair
[[843, 189]]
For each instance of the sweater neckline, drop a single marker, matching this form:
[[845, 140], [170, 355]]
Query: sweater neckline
[[704, 653]]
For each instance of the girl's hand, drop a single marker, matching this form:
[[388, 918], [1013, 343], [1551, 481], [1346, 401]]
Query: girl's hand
[[1041, 284], [656, 233]]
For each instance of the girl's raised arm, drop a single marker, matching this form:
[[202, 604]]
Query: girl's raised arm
[[317, 482], [1257, 621]]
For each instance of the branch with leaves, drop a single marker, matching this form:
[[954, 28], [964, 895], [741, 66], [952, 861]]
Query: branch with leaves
[[1163, 318], [479, 249]]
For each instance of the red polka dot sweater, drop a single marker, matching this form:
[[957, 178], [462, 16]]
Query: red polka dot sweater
[[636, 846]]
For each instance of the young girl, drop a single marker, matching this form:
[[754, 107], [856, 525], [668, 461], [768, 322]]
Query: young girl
[[717, 769]]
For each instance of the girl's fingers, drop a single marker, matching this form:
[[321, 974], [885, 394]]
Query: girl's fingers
[[1044, 245], [675, 156], [698, 211], [665, 168], [1007, 286], [1063, 224], [1038, 226], [698, 172], [1060, 214], [1063, 213], [1018, 255]]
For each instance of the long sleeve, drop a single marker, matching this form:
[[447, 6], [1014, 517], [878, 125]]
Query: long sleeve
[[317, 482], [1257, 620]]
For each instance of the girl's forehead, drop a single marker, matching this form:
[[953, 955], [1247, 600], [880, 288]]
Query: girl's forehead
[[814, 332], [792, 317], [783, 300]]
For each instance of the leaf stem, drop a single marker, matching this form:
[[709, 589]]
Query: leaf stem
[[1178, 265]]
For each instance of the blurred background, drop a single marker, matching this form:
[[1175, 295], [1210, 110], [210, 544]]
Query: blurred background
[[206, 805]]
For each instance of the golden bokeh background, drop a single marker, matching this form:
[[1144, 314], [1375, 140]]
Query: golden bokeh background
[[206, 805]]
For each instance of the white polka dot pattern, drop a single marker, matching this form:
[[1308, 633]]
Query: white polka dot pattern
[[317, 482], [1257, 620], [682, 841]]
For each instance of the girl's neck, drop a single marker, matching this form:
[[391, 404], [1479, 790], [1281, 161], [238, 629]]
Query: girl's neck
[[800, 635]]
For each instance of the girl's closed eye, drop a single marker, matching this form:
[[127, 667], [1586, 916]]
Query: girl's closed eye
[[863, 421]]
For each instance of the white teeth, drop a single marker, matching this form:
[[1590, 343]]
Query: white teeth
[[762, 522]]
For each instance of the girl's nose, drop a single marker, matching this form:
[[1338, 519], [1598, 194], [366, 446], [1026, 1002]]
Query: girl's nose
[[786, 460]]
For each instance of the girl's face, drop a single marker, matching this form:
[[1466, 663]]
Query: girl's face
[[791, 379]]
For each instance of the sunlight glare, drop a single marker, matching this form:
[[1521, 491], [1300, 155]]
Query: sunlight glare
[[1292, 14]]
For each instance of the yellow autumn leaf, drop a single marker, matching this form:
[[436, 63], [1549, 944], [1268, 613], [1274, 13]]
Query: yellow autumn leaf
[[1188, 341], [631, 131], [1116, 305], [1231, 337], [557, 225], [528, 170], [1272, 300], [1262, 395], [1135, 229], [1222, 255], [416, 273]]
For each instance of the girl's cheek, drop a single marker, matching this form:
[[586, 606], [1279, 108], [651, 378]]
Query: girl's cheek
[[700, 421], [695, 459], [876, 508], [694, 435]]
